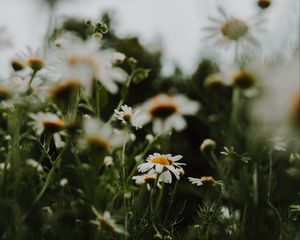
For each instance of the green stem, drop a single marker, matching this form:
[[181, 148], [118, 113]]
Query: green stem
[[270, 174], [172, 198]]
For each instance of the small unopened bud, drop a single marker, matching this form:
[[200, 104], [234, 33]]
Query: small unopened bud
[[17, 65], [108, 161], [63, 182], [119, 57], [213, 81], [4, 93], [98, 35], [157, 236], [181, 172], [207, 145], [149, 137]]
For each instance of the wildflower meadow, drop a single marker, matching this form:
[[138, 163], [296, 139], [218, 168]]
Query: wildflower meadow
[[97, 143]]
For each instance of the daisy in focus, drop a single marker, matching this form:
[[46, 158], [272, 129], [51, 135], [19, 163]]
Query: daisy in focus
[[128, 116], [234, 38], [166, 112], [73, 58], [100, 136], [164, 164]]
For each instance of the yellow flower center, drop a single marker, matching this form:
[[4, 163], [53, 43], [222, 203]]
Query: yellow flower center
[[208, 179], [234, 29], [163, 108], [127, 117], [35, 64], [53, 125], [162, 160], [243, 79], [77, 59], [63, 90], [99, 142]]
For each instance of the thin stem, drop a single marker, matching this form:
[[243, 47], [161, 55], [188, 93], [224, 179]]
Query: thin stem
[[270, 174], [172, 198]]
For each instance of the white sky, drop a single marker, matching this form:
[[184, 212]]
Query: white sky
[[176, 22]]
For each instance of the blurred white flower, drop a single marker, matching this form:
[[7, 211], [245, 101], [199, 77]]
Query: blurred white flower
[[127, 115], [73, 58], [101, 136], [47, 121], [148, 178], [276, 111], [166, 112], [108, 161], [233, 39]]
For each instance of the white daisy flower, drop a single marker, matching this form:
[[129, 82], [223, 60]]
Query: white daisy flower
[[148, 178], [127, 115], [200, 181], [160, 163], [167, 112], [74, 58], [34, 59], [101, 136], [232, 37], [104, 220], [47, 122]]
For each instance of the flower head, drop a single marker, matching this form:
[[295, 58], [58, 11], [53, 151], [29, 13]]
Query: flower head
[[100, 136], [127, 115], [49, 122], [200, 181], [167, 112], [161, 162]]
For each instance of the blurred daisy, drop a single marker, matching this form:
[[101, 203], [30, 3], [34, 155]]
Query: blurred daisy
[[49, 122], [100, 136], [166, 112], [105, 221], [204, 179], [148, 178], [236, 37], [74, 58], [34, 59], [127, 115], [277, 109], [161, 162]]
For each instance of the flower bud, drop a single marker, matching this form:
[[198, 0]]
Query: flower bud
[[243, 80], [263, 4], [207, 145]]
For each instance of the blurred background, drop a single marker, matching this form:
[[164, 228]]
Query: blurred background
[[171, 25]]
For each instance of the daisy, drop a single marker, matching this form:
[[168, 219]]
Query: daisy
[[232, 37], [148, 178], [49, 122], [200, 181], [161, 162], [100, 136], [167, 112], [104, 220], [127, 115], [34, 59], [84, 60]]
